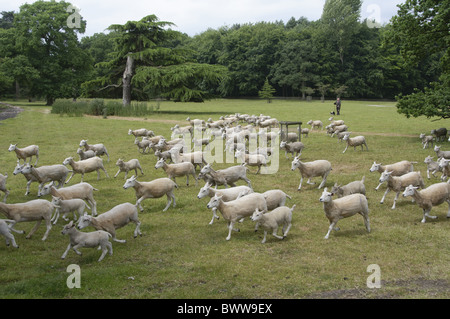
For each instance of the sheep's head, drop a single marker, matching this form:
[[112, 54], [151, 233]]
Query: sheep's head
[[119, 162], [130, 132], [437, 148], [18, 168], [326, 196], [283, 144], [336, 188], [68, 160], [83, 143], [130, 182], [12, 147], [159, 163], [56, 201], [46, 189], [295, 163], [428, 159], [214, 202], [26, 169], [206, 169], [443, 163], [257, 215], [385, 176], [85, 221], [374, 167], [204, 191], [67, 227], [409, 191]]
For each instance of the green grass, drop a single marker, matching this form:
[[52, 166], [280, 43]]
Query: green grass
[[181, 256]]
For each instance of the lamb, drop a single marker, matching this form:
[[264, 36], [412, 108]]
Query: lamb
[[238, 209], [3, 188], [335, 122], [289, 137], [6, 232], [26, 152], [164, 145], [426, 140], [132, 164], [29, 177], [275, 198], [315, 124], [312, 169], [164, 155], [196, 122], [295, 147], [86, 166], [432, 166], [141, 132], [177, 130], [144, 145], [399, 183], [118, 217], [45, 174], [440, 133], [268, 123], [433, 195], [154, 189], [228, 194], [99, 149], [344, 207], [89, 240], [178, 170], [339, 129], [83, 191], [274, 219], [66, 206], [439, 153], [356, 187], [443, 165], [305, 132], [398, 169], [252, 160], [35, 210], [354, 141], [227, 176], [85, 154]]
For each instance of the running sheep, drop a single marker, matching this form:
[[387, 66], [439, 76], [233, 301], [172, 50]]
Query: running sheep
[[294, 147], [309, 170], [354, 141], [99, 149], [5, 230], [26, 152], [85, 166], [66, 206], [281, 216], [397, 169], [178, 170], [132, 164], [426, 140], [344, 207], [227, 176], [356, 187], [399, 183], [3, 188]]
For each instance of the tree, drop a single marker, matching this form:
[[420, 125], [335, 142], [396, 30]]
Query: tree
[[267, 91], [421, 30], [51, 46]]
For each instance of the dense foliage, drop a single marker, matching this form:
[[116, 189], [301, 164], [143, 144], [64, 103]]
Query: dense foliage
[[336, 55]]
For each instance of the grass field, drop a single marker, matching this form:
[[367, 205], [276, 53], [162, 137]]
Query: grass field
[[181, 256]]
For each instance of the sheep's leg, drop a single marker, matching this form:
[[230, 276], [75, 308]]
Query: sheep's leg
[[332, 224], [38, 223], [28, 187], [73, 173], [118, 174], [309, 182], [137, 230], [55, 217], [214, 210], [428, 174], [10, 237], [366, 222], [66, 252], [285, 232], [345, 149], [395, 200], [11, 227], [75, 248], [265, 236], [324, 180], [138, 203], [106, 173], [259, 169], [169, 201], [376, 188], [48, 224], [230, 228], [301, 181], [384, 196], [274, 233]]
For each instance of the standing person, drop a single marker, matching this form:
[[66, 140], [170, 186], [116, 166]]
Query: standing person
[[338, 106]]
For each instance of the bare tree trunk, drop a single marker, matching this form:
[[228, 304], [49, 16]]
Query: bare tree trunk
[[17, 90], [127, 76]]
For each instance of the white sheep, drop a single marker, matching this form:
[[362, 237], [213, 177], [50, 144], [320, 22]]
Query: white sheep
[[252, 160], [154, 189], [144, 145], [432, 166], [227, 194], [29, 177], [99, 149], [227, 176], [85, 154], [82, 191], [164, 155], [433, 195], [177, 130], [339, 129], [94, 239], [426, 140], [294, 147], [399, 183], [117, 217], [354, 141], [196, 158], [275, 198], [196, 122], [305, 132], [141, 132], [235, 210], [26, 152], [178, 170], [356, 187], [5, 230], [309, 170], [315, 124], [398, 169], [344, 207], [3, 188], [49, 173], [66, 206], [132, 164], [445, 168], [274, 219], [85, 166], [439, 153], [35, 210]]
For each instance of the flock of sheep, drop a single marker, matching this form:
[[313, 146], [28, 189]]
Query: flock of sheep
[[176, 158]]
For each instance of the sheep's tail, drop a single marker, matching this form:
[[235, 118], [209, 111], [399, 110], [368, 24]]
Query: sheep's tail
[[95, 189], [293, 207], [363, 179], [288, 196]]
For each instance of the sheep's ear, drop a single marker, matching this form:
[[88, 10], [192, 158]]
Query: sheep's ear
[[325, 189]]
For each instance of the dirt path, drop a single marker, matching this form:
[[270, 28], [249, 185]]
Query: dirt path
[[8, 111]]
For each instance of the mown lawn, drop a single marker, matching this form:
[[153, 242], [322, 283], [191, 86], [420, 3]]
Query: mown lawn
[[181, 256]]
